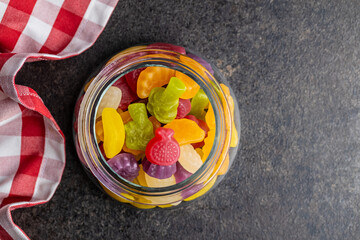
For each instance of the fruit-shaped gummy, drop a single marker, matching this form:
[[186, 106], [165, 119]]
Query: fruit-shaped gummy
[[158, 171], [114, 132], [125, 165], [198, 103], [140, 130], [163, 102], [186, 131], [111, 99], [128, 96], [163, 149], [152, 77], [183, 108], [189, 159]]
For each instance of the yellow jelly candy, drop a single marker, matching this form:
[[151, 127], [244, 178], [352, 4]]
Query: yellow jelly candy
[[210, 118], [234, 135], [114, 132], [208, 143], [189, 159], [186, 131]]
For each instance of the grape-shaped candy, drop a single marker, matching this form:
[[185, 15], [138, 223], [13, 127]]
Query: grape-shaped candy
[[189, 159], [181, 174], [158, 171], [163, 149], [128, 96], [186, 131], [111, 99], [163, 102], [132, 77], [114, 132], [199, 102], [125, 165], [183, 108], [140, 130], [152, 77]]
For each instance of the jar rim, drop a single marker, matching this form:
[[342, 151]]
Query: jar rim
[[105, 78]]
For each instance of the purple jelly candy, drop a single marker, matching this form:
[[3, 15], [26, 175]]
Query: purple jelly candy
[[181, 174], [157, 171], [125, 165]]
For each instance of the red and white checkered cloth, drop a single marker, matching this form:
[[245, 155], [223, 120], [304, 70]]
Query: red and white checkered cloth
[[32, 146]]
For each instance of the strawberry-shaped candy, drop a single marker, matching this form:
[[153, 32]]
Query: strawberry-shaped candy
[[163, 149]]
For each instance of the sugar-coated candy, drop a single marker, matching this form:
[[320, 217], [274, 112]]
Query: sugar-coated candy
[[125, 165], [111, 99], [152, 77], [163, 102], [186, 131], [167, 46], [128, 96], [181, 174], [132, 77], [158, 171], [198, 103], [183, 108], [163, 149], [114, 132], [139, 131], [189, 159], [234, 136]]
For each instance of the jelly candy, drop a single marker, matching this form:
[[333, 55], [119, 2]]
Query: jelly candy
[[183, 108], [210, 117], [125, 116], [163, 149], [132, 151], [181, 174], [141, 177], [99, 131], [155, 122], [189, 159], [234, 136], [158, 183], [191, 86], [132, 77], [114, 132], [199, 151], [167, 46], [202, 125], [158, 171], [186, 131], [139, 131], [198, 103], [163, 102], [111, 99], [125, 165], [152, 77], [128, 96], [208, 143], [225, 166]]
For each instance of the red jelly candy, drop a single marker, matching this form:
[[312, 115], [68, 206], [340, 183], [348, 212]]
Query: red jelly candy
[[183, 108], [163, 149], [128, 96], [167, 46], [132, 77]]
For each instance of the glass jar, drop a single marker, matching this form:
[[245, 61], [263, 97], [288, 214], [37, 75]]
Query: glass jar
[[226, 131]]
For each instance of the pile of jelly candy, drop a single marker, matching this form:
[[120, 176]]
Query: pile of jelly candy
[[156, 127]]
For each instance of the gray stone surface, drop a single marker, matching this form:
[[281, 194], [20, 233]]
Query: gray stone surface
[[294, 67]]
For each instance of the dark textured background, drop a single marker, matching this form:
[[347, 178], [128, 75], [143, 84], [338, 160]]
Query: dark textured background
[[294, 68]]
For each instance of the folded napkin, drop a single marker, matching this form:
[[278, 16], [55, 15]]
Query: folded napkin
[[32, 146]]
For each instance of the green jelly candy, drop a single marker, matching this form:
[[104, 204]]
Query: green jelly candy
[[139, 131], [198, 103], [163, 102]]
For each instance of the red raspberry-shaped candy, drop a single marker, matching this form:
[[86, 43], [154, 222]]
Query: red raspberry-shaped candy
[[163, 149]]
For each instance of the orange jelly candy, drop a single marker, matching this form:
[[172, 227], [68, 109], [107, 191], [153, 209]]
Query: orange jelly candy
[[186, 131], [153, 77]]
